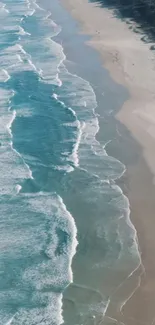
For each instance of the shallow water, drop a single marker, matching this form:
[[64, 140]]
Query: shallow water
[[57, 182]]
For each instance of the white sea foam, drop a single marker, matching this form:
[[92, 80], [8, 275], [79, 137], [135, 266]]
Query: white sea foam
[[75, 155], [10, 122], [46, 58], [38, 7], [13, 167], [5, 114], [79, 94], [92, 157], [4, 76], [9, 322], [13, 171], [80, 126], [55, 96], [24, 110], [48, 67], [23, 161], [47, 26], [18, 188], [42, 315], [54, 205], [31, 239], [46, 55], [22, 8], [64, 168], [3, 7], [14, 58], [22, 31]]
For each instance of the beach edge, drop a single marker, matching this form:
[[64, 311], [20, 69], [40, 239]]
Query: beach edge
[[122, 61]]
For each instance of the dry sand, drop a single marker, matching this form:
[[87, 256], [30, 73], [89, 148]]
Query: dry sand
[[132, 64]]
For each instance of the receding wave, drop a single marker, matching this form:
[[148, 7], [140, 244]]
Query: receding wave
[[40, 252]]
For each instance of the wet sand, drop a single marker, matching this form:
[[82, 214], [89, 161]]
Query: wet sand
[[132, 64]]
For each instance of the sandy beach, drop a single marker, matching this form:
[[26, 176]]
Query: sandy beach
[[131, 63]]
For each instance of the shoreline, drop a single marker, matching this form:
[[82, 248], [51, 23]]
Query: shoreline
[[124, 59], [124, 63]]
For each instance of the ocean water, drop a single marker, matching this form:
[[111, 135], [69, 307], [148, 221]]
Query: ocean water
[[58, 193]]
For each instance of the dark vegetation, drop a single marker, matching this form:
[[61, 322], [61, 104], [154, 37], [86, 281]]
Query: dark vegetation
[[140, 11]]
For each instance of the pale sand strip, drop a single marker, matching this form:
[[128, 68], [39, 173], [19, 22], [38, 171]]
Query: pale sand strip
[[132, 64]]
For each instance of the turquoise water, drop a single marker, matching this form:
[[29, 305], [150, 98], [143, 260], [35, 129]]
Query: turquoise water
[[57, 181]]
